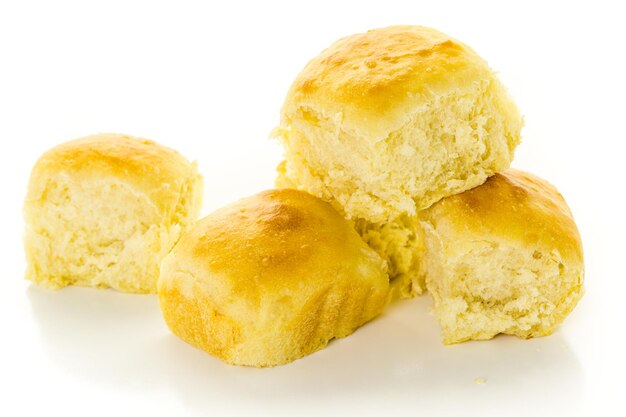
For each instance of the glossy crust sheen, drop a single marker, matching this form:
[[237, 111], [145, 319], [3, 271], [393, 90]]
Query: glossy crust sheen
[[376, 79], [269, 279]]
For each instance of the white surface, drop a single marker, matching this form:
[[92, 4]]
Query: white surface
[[209, 80]]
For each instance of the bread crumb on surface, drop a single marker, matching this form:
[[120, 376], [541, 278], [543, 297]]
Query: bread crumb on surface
[[480, 380]]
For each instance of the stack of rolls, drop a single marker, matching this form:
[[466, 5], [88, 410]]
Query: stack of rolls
[[410, 134], [395, 182]]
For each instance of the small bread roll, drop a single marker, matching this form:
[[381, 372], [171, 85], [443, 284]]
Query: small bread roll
[[505, 257], [269, 279], [103, 211], [387, 122]]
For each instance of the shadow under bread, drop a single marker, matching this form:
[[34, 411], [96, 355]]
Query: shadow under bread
[[120, 341]]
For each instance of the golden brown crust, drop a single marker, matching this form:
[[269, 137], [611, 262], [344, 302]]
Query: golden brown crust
[[269, 279], [152, 169], [285, 233], [197, 319], [376, 79], [512, 205]]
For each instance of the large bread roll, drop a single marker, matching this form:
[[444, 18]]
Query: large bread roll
[[387, 122], [269, 279]]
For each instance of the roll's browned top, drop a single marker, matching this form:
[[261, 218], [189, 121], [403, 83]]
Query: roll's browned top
[[151, 169], [512, 205], [276, 239], [375, 80]]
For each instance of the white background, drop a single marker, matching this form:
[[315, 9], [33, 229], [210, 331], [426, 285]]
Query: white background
[[209, 79]]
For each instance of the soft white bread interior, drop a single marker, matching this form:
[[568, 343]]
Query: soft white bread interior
[[269, 279], [385, 123], [104, 210], [505, 257], [401, 244]]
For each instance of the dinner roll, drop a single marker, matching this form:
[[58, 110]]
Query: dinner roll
[[505, 257], [387, 122], [103, 211], [269, 279]]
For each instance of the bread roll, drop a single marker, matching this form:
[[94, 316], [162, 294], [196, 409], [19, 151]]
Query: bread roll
[[505, 257], [387, 122], [104, 210], [269, 279]]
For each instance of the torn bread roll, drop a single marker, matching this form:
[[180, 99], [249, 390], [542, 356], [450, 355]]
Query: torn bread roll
[[504, 257], [103, 211], [387, 122]]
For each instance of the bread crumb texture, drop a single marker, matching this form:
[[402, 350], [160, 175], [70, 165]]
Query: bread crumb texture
[[505, 257], [103, 211], [401, 244], [269, 279]]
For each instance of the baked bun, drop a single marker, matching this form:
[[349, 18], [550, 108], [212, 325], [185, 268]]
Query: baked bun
[[387, 122], [505, 257], [269, 279], [104, 210]]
